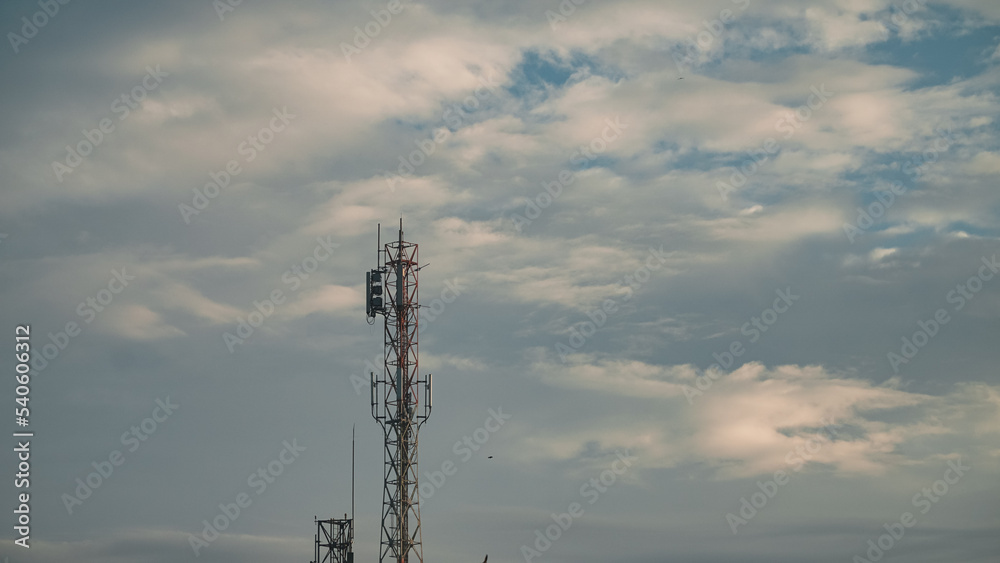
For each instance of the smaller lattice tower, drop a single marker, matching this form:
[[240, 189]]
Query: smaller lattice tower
[[335, 536]]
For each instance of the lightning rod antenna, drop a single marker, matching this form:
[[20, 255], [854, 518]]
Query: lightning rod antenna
[[352, 474]]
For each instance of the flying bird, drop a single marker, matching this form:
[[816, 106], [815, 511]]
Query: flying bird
[[485, 558], [491, 457]]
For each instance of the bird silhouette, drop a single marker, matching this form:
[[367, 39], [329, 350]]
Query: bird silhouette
[[491, 457], [485, 558]]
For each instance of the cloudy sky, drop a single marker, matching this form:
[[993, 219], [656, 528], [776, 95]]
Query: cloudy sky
[[747, 246]]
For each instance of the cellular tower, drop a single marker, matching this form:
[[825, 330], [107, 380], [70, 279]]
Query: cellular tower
[[391, 291]]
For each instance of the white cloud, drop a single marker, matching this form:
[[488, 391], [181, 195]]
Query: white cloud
[[755, 420], [137, 322], [326, 299]]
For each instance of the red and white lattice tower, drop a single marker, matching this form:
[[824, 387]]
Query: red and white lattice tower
[[396, 396]]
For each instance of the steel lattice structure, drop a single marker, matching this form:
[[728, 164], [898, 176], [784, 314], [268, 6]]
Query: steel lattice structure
[[334, 538], [395, 397]]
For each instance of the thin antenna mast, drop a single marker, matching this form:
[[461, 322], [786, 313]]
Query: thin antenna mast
[[352, 473]]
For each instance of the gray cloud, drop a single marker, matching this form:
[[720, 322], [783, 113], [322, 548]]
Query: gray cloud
[[524, 291]]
